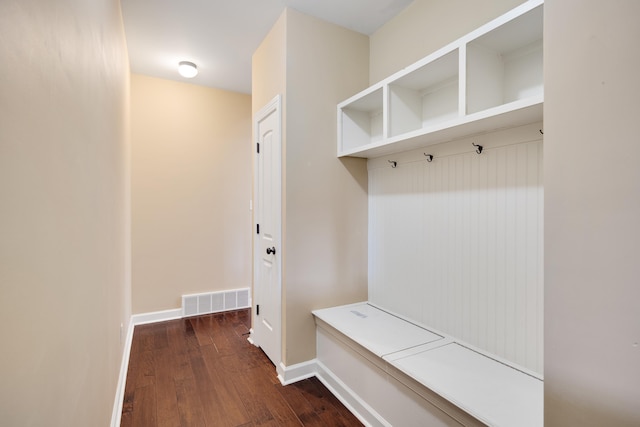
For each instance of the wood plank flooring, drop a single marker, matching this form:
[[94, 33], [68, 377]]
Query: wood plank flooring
[[202, 371]]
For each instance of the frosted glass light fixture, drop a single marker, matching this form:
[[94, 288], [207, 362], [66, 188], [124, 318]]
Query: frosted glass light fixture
[[187, 69]]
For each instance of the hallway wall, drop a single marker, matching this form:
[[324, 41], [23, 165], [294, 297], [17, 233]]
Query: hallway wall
[[191, 187], [592, 206], [64, 215]]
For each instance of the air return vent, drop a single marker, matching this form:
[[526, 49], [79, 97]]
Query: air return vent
[[213, 302]]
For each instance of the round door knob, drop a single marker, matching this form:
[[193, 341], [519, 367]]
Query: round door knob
[[271, 250]]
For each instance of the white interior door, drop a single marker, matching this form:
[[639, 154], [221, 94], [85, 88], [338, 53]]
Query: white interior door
[[266, 331]]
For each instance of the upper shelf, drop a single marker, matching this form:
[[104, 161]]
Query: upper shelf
[[491, 78]]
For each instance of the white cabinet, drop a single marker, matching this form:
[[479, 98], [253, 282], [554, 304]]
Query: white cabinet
[[492, 78]]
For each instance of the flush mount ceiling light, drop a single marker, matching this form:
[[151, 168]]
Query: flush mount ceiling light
[[187, 69]]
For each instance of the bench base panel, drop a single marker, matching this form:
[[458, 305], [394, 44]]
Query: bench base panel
[[375, 392]]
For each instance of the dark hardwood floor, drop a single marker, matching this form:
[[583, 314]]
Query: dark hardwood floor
[[202, 371]]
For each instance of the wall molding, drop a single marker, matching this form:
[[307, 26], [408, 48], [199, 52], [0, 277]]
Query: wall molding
[[298, 372], [122, 378], [314, 368], [156, 316], [358, 407]]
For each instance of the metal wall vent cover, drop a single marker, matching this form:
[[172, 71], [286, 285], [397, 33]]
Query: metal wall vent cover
[[214, 302]]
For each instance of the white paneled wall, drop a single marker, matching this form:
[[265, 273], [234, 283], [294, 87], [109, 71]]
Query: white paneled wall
[[456, 244]]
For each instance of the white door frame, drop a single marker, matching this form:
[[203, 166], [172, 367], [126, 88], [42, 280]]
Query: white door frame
[[275, 105]]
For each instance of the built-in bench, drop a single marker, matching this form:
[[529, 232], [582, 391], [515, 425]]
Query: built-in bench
[[390, 371]]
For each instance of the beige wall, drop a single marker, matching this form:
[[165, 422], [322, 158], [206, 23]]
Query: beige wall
[[315, 65], [592, 209], [191, 187], [64, 278], [269, 69], [325, 197], [424, 27]]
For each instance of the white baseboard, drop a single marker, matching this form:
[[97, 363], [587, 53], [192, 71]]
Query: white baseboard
[[314, 368], [250, 338], [122, 378], [298, 372], [156, 316], [358, 407]]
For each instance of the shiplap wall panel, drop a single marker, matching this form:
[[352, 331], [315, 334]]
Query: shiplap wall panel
[[456, 244]]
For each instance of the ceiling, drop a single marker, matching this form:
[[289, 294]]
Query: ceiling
[[220, 36]]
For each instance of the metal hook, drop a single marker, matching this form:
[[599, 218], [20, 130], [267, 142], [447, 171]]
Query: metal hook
[[541, 133], [478, 148], [393, 163], [429, 157]]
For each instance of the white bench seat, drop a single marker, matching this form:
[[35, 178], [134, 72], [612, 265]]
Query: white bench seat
[[376, 330], [458, 386]]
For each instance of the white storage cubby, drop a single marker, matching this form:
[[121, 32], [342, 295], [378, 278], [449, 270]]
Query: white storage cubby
[[360, 122], [426, 96], [492, 78], [505, 64]]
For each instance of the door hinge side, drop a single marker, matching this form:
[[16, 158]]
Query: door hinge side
[[257, 228], [258, 310], [258, 147]]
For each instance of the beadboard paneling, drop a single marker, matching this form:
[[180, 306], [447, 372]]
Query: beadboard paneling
[[456, 244]]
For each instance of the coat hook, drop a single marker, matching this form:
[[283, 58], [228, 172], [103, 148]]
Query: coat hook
[[541, 133], [478, 148], [393, 163], [429, 157]]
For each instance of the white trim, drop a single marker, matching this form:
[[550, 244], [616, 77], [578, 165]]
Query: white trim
[[122, 378], [298, 372], [156, 316], [250, 338], [358, 407], [314, 368]]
